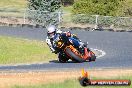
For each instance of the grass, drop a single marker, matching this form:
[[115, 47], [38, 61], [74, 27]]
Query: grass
[[74, 84], [12, 14], [8, 5], [15, 50], [12, 7], [67, 16], [67, 9]]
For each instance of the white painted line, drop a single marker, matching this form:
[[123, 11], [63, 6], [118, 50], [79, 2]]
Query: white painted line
[[102, 52]]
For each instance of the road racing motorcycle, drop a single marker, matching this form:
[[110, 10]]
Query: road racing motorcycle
[[67, 50]]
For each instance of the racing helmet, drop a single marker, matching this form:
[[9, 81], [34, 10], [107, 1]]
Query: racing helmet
[[51, 31]]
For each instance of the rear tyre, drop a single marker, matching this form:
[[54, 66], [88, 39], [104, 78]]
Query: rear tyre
[[74, 56]]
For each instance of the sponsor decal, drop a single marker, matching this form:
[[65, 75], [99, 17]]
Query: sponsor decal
[[86, 81]]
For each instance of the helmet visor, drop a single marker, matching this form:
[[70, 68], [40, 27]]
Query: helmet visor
[[51, 35]]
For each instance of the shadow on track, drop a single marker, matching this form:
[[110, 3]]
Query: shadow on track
[[56, 61]]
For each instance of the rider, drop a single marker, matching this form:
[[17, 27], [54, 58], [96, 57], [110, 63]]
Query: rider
[[52, 31]]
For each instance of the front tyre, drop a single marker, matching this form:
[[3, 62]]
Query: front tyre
[[73, 56], [93, 57]]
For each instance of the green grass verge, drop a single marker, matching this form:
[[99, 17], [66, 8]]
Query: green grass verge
[[15, 50], [74, 84]]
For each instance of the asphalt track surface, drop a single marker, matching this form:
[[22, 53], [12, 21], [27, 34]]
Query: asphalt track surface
[[117, 45]]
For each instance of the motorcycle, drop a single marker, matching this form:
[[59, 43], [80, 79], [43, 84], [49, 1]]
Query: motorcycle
[[67, 50]]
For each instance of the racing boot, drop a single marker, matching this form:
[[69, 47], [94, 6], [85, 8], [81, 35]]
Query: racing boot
[[85, 44], [81, 47]]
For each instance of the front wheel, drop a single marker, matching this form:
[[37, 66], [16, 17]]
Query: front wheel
[[73, 56], [93, 57]]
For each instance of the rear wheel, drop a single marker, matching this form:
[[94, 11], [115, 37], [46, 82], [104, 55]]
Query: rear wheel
[[73, 55]]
